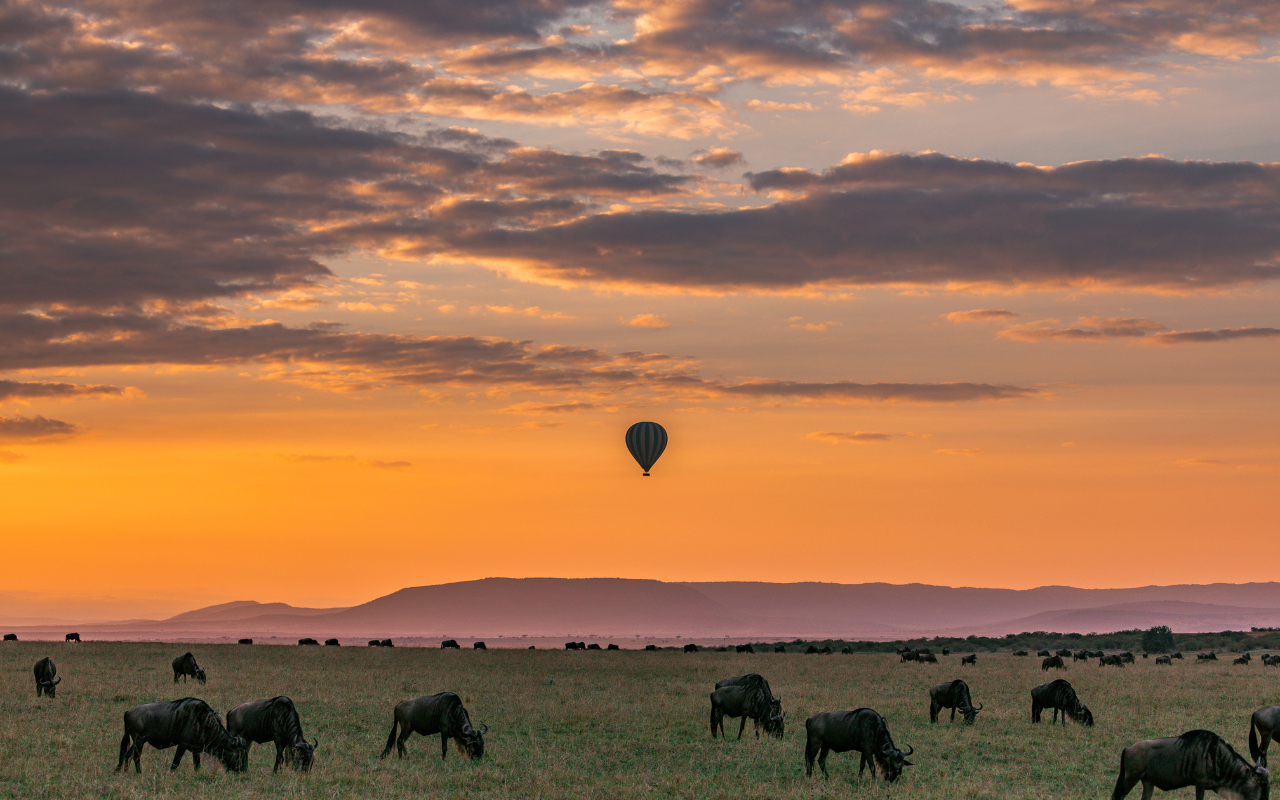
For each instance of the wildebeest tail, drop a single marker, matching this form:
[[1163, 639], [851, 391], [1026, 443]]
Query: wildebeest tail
[[1254, 749], [391, 738], [713, 718], [1119, 791], [124, 748]]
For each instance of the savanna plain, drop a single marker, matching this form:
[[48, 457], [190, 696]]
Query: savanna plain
[[599, 723]]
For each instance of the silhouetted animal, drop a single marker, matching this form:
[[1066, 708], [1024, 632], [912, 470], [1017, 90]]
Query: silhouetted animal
[[862, 730], [480, 646], [749, 698], [246, 641], [1064, 652], [1264, 726], [946, 651], [1271, 661], [593, 646], [1196, 758], [1164, 660], [846, 651], [1080, 655], [691, 648], [188, 723], [439, 713], [73, 637], [1021, 653], [1044, 653], [450, 644], [955, 696], [1059, 696], [744, 648], [972, 658], [332, 643], [909, 655], [275, 720], [780, 649], [1176, 655], [11, 637], [375, 643], [386, 643], [1210, 656], [184, 666], [927, 658], [1113, 661], [650, 647], [1241, 660], [308, 641], [1127, 657], [1052, 662], [613, 647], [45, 683]]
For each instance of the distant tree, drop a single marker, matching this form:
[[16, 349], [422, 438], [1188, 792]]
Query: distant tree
[[1158, 639]]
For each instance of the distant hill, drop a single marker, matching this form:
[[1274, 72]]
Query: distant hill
[[616, 607]]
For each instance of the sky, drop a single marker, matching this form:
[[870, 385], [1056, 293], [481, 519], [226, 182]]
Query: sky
[[310, 301]]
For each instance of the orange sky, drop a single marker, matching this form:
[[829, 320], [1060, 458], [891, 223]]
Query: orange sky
[[312, 308]]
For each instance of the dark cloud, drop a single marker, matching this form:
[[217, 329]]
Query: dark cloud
[[1085, 329], [32, 390], [34, 428], [1221, 335], [980, 315], [846, 391], [855, 437], [720, 158]]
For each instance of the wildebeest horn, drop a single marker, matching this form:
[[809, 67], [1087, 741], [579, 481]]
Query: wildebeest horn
[[910, 750], [57, 681], [979, 708], [315, 743], [485, 726]]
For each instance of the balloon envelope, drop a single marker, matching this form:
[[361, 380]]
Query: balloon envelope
[[646, 441]]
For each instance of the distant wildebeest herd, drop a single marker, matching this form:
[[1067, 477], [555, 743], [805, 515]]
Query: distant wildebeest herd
[[1197, 758]]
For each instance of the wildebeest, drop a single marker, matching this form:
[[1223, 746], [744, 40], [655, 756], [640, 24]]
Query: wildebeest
[[480, 646], [1241, 660], [45, 683], [946, 651], [308, 641], [450, 644], [1164, 660], [1059, 696], [1196, 758], [780, 649], [386, 643], [1271, 661], [1064, 652], [188, 723], [972, 658], [1021, 653], [11, 637], [863, 730], [1210, 656], [439, 713], [375, 643], [1114, 661], [332, 643], [593, 646], [927, 658], [613, 647], [747, 697], [275, 720], [1052, 662], [1080, 655], [650, 647], [571, 646], [908, 655], [185, 665], [1176, 655], [955, 696], [1127, 657], [744, 648], [1264, 726], [1044, 653], [691, 648], [73, 637], [246, 641]]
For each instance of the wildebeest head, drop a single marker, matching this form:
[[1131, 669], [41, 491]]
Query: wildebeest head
[[473, 741], [50, 686], [301, 754], [235, 758], [1083, 715], [892, 760], [774, 723]]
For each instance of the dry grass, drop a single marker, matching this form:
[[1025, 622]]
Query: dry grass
[[597, 724]]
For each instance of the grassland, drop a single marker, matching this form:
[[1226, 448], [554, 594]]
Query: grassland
[[597, 724]]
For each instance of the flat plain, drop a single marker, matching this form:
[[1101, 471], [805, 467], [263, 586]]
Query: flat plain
[[599, 724]]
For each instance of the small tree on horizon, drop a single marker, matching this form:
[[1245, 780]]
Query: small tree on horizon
[[1158, 639]]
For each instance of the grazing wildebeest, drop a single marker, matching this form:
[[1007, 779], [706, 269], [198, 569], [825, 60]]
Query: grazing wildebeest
[[73, 637], [386, 643], [1127, 657], [1164, 660], [863, 730], [928, 658], [1044, 653], [1021, 653], [439, 713], [1210, 656], [1080, 655], [846, 651], [1176, 655], [1059, 696], [747, 697], [185, 665], [533, 647], [332, 643], [613, 647], [1052, 662], [375, 643], [1196, 758], [923, 651], [480, 646], [188, 723], [11, 637], [1114, 661], [593, 646], [909, 655], [1271, 661], [450, 644], [570, 645], [955, 696], [45, 683], [744, 648], [780, 649], [946, 651], [813, 650], [275, 720], [308, 641], [650, 647], [972, 658], [246, 641], [1264, 726], [691, 648], [1241, 660], [1064, 652]]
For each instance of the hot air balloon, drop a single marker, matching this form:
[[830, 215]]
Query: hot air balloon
[[646, 441]]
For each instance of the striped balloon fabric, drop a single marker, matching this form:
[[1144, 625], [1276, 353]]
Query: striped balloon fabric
[[646, 441]]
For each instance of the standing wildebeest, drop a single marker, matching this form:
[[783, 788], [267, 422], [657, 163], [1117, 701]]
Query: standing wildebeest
[[308, 641], [45, 670], [946, 651], [1080, 655], [1054, 662], [573, 646], [1196, 758], [593, 646], [1164, 660], [11, 637], [748, 700], [73, 637], [1264, 726], [274, 720], [440, 713], [744, 648], [775, 703], [375, 643], [1210, 656], [1114, 661], [927, 658], [332, 643], [188, 723], [246, 641], [1241, 660], [906, 655], [478, 646], [1021, 653], [185, 665], [1044, 653], [1064, 652], [613, 647], [955, 696], [1176, 655], [386, 643], [863, 730], [972, 658], [650, 647], [848, 651], [449, 644], [1059, 696], [780, 648], [691, 648]]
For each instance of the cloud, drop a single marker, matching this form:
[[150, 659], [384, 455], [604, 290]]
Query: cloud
[[967, 451], [1198, 462], [857, 436], [313, 458], [648, 321], [1086, 329], [549, 408], [845, 391], [10, 457], [31, 390], [1221, 335], [980, 315], [719, 157], [34, 428]]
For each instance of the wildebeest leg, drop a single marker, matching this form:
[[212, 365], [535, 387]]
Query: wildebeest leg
[[405, 732], [126, 745], [177, 757], [1148, 788], [810, 751], [933, 712], [444, 745], [742, 727], [717, 719], [279, 756], [953, 714], [195, 757], [822, 761]]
